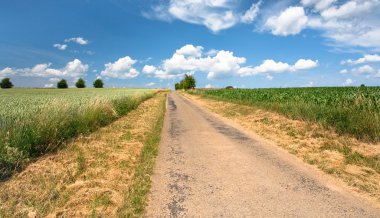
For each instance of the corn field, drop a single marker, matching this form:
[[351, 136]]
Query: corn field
[[36, 121], [349, 110]]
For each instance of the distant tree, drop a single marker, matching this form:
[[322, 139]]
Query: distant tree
[[62, 84], [177, 86], [186, 83], [362, 85], [182, 84], [189, 82], [98, 83], [80, 83], [6, 83], [229, 87]]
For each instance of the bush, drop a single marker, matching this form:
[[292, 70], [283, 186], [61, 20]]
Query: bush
[[229, 87], [6, 83], [98, 83], [80, 83], [62, 84]]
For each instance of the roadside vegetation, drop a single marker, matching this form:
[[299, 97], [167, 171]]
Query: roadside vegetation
[[137, 195], [349, 110], [36, 121], [102, 174]]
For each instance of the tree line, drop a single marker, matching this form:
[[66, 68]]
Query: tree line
[[62, 84]]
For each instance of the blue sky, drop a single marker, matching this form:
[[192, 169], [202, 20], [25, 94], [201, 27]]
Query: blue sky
[[146, 43]]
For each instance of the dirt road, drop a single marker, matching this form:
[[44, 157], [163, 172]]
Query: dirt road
[[208, 167]]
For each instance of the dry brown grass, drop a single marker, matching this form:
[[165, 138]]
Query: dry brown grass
[[90, 176], [344, 157]]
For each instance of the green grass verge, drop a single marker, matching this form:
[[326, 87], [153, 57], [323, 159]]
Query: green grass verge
[[137, 195]]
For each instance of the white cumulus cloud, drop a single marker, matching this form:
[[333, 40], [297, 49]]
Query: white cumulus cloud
[[348, 9], [7, 72], [222, 64], [72, 69], [190, 50], [269, 77], [122, 69], [218, 65], [291, 21], [348, 82], [303, 64], [365, 59], [271, 66], [268, 66], [216, 15], [250, 15], [366, 69], [149, 69], [78, 40], [350, 23], [318, 4], [60, 46]]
